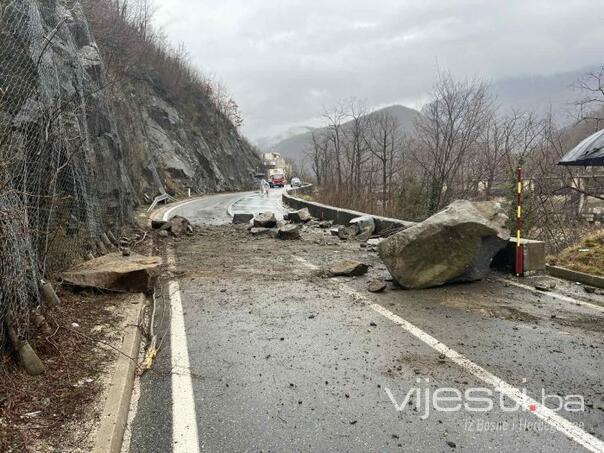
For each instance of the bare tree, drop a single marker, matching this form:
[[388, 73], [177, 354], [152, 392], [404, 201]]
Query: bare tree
[[336, 117], [385, 141], [591, 104], [448, 130]]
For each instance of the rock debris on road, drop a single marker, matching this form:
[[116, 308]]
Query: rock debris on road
[[285, 358]]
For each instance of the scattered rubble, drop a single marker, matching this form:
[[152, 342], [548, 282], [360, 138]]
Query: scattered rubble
[[348, 268], [346, 233], [455, 245], [545, 285], [376, 286], [242, 219], [289, 232], [114, 272], [265, 220], [260, 231], [177, 225]]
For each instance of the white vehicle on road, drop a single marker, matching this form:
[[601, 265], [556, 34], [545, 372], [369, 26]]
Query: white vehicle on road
[[296, 182]]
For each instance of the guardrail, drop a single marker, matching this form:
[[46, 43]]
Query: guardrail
[[159, 199], [338, 215]]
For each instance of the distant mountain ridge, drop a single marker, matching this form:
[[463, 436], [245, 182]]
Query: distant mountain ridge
[[296, 146], [541, 94]]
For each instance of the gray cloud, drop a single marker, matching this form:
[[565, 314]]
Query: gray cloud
[[283, 59]]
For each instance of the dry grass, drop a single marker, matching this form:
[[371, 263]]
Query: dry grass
[[587, 256]]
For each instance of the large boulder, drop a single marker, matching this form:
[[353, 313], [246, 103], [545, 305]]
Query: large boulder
[[301, 216], [265, 220], [133, 273], [456, 244]]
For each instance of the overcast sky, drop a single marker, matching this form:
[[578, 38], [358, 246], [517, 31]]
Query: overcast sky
[[282, 60]]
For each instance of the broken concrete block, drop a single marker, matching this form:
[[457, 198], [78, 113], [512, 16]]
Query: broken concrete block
[[265, 220], [242, 219], [456, 244], [289, 232], [348, 268], [134, 273]]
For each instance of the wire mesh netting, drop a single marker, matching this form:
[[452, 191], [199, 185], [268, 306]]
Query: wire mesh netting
[[55, 196]]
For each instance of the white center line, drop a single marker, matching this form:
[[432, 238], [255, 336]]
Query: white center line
[[550, 417], [184, 419]]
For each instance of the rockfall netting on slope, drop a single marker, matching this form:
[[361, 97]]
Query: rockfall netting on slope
[[62, 182]]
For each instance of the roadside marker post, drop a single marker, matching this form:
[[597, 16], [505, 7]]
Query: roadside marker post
[[519, 268]]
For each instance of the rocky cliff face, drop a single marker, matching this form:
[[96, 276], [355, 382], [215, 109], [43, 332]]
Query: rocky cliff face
[[180, 147], [79, 151], [134, 143]]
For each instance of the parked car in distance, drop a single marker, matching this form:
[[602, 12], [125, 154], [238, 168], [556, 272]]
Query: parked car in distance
[[277, 180], [296, 182]]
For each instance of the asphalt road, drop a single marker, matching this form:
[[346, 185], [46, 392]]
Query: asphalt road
[[217, 209], [260, 352]]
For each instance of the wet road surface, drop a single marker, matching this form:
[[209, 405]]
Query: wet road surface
[[279, 358]]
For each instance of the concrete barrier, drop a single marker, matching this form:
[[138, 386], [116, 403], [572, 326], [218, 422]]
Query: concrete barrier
[[575, 276], [339, 216], [533, 256]]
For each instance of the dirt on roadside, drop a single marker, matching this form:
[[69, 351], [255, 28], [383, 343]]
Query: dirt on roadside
[[58, 410]]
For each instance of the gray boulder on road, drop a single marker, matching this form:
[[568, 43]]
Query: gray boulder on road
[[365, 225], [265, 220], [301, 216], [289, 232], [456, 244], [178, 226]]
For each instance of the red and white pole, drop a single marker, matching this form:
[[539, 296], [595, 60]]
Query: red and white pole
[[519, 267]]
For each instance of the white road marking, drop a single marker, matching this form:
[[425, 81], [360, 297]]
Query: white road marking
[[553, 295], [550, 417], [184, 419]]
